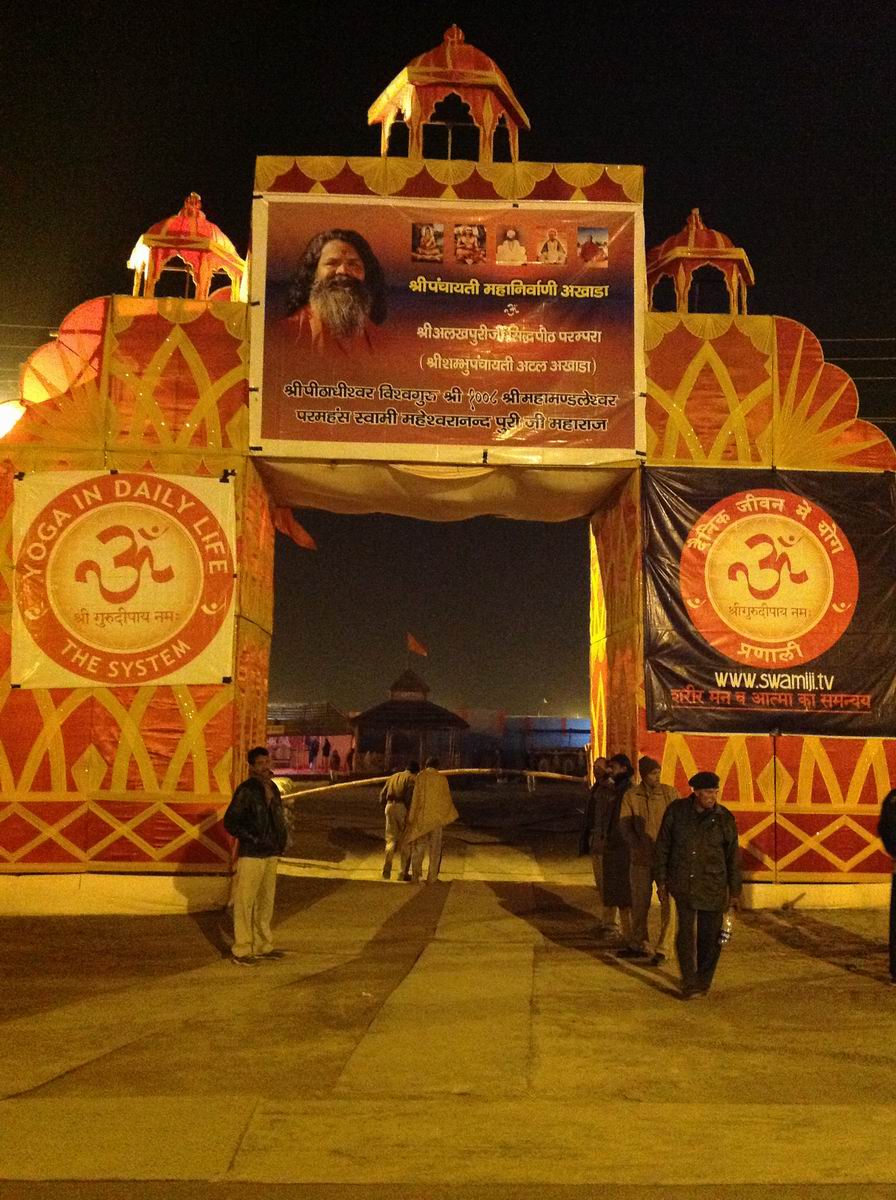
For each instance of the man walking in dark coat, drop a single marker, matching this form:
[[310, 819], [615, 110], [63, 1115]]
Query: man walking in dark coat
[[697, 862], [612, 849], [255, 818]]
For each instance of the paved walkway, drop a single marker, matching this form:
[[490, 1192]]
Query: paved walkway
[[462, 1039], [504, 833]]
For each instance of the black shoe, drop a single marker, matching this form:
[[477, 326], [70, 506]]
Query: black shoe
[[387, 874], [271, 955], [244, 960], [657, 960], [631, 952]]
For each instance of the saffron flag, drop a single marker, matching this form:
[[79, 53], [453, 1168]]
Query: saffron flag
[[285, 522], [415, 647]]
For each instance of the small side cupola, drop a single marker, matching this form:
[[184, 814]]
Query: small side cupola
[[190, 244], [698, 270]]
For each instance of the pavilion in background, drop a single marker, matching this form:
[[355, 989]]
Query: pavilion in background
[[407, 726]]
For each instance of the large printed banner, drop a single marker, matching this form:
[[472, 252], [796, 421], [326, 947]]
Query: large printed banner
[[121, 579], [446, 330], [770, 602]]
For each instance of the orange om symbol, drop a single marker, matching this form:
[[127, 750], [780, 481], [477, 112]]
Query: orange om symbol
[[772, 561], [134, 557]]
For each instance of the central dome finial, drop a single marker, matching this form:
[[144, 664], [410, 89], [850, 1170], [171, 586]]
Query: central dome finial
[[454, 34]]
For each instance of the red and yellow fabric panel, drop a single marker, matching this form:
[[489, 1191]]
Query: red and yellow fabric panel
[[177, 375], [752, 391], [617, 683], [136, 778], [450, 179], [94, 779], [806, 807]]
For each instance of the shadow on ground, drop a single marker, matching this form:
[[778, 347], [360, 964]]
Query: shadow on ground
[[572, 928], [824, 940]]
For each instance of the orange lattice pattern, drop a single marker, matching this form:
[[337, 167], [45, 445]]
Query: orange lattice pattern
[[749, 392]]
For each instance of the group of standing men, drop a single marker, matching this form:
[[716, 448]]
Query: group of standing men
[[643, 836], [417, 807]]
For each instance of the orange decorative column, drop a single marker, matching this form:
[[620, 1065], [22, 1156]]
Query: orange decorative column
[[135, 578], [617, 676]]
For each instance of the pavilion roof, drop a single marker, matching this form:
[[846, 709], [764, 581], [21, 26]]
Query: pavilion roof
[[409, 714]]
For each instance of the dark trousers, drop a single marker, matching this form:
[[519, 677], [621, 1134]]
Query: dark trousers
[[697, 945], [893, 927]]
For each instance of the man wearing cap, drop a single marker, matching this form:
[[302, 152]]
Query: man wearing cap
[[643, 808], [697, 862]]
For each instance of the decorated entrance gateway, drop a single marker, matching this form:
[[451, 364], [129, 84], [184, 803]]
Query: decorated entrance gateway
[[439, 337]]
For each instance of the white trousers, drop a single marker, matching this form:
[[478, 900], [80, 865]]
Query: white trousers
[[432, 842], [253, 905]]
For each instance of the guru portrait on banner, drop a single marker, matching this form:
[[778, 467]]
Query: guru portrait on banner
[[338, 295]]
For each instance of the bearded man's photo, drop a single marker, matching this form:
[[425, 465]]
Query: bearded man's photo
[[338, 296]]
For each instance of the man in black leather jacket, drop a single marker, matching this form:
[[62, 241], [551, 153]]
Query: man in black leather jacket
[[255, 818]]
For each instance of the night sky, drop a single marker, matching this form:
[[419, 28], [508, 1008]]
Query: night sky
[[775, 119]]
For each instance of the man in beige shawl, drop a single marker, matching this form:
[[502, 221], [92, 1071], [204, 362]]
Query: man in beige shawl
[[431, 810], [643, 808]]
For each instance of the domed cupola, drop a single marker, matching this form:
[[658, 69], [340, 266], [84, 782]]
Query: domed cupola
[[203, 250], [698, 270], [448, 92]]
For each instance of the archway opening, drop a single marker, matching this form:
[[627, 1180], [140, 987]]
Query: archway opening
[[175, 280], [709, 291], [450, 131], [399, 139], [662, 298], [501, 147], [501, 607]]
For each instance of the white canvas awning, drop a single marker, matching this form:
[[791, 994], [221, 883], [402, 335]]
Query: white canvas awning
[[440, 493]]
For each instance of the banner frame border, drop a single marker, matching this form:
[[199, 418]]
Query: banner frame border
[[433, 452]]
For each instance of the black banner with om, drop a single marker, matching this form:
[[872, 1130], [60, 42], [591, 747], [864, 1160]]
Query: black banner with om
[[770, 601]]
